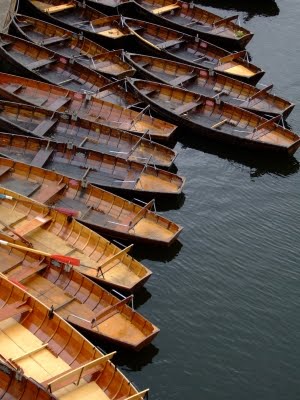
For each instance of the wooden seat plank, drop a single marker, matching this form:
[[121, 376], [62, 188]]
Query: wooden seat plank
[[169, 43], [13, 88], [41, 157], [185, 107], [4, 170], [27, 272], [55, 40], [165, 9], [181, 79], [46, 194], [45, 127], [74, 375], [28, 227], [14, 309], [40, 63], [57, 104], [60, 7]]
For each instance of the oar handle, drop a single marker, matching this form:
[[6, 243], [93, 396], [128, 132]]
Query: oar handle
[[17, 246]]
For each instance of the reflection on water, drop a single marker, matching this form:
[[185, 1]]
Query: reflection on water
[[259, 163], [158, 253], [130, 361], [266, 8]]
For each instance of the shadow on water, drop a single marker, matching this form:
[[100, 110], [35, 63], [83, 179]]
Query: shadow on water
[[259, 164], [157, 253], [133, 361], [266, 8]]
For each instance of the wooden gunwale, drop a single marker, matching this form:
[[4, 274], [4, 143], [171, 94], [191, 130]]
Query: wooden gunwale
[[55, 283], [193, 51], [193, 20], [76, 47], [199, 80], [19, 335], [238, 127], [68, 237], [80, 132], [90, 108], [102, 170], [30, 58]]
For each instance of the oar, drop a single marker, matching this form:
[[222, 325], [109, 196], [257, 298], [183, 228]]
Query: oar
[[67, 211], [58, 257]]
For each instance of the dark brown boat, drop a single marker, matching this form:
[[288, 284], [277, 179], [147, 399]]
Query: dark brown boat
[[80, 132], [200, 81], [15, 386], [54, 98], [94, 207], [72, 46], [87, 306], [39, 63], [78, 17], [48, 232], [215, 120], [167, 43], [102, 170], [192, 20], [40, 344]]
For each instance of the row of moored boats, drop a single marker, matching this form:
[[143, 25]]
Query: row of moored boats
[[84, 119]]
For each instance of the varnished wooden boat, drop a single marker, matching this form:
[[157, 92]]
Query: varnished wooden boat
[[39, 63], [54, 98], [80, 18], [72, 46], [16, 386], [193, 20], [82, 133], [102, 170], [84, 304], [199, 80], [167, 43], [45, 229], [94, 207], [41, 345], [205, 116]]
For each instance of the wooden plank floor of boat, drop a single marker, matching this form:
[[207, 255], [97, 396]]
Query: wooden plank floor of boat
[[147, 228], [16, 341]]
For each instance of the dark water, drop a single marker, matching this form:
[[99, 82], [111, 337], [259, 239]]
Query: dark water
[[227, 298]]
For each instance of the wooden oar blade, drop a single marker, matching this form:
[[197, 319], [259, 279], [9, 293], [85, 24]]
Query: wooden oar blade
[[66, 259]]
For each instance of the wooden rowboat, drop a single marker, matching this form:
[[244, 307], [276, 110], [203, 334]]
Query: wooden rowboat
[[41, 345], [82, 133], [80, 18], [72, 46], [94, 207], [39, 63], [84, 304], [193, 20], [166, 43], [16, 386], [45, 229], [54, 98], [199, 80], [216, 120], [102, 170]]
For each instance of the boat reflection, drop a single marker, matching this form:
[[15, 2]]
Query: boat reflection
[[157, 253], [266, 8], [259, 164], [134, 361]]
